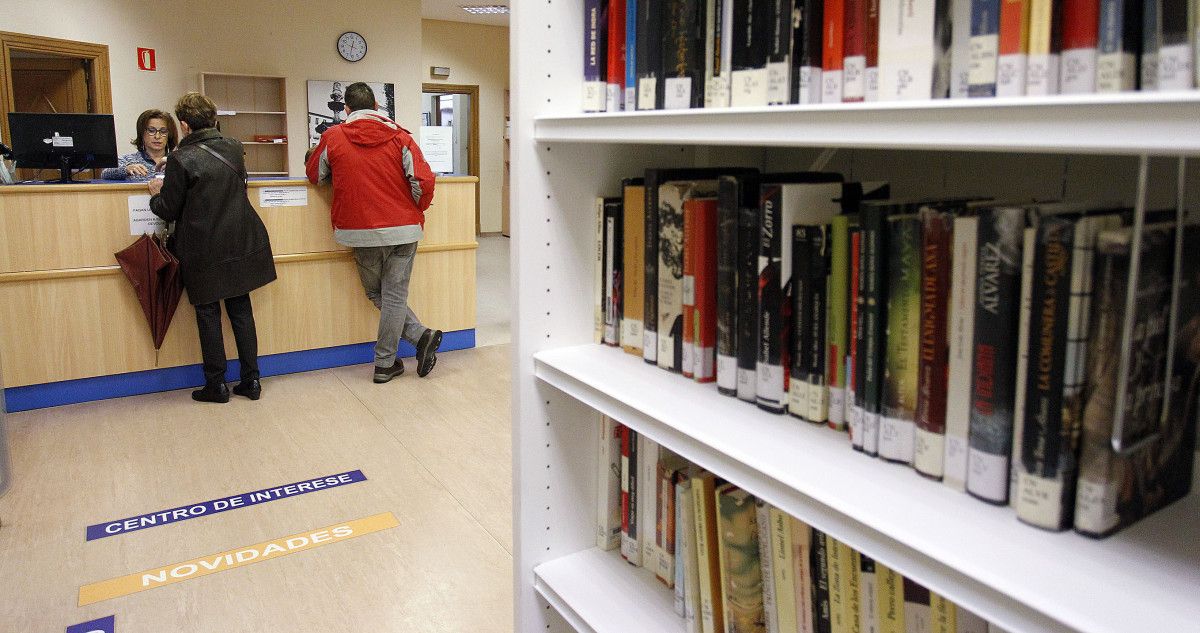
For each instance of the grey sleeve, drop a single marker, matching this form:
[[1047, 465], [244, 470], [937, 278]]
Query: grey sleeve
[[118, 172], [324, 173], [409, 173]]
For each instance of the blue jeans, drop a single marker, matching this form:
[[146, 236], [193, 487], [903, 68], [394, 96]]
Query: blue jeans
[[384, 272]]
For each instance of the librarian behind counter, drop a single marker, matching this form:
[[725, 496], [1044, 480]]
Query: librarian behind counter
[[156, 137]]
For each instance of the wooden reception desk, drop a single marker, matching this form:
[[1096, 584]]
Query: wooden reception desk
[[67, 311]]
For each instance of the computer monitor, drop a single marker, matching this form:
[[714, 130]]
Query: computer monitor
[[63, 141]]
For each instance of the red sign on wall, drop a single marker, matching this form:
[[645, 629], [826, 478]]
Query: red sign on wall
[[146, 59]]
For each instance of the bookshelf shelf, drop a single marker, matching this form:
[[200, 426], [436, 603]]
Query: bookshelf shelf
[[599, 592], [1130, 123], [975, 554]]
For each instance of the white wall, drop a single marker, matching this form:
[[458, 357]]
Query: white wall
[[290, 38], [477, 55]]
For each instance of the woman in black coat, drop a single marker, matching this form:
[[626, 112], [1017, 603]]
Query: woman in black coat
[[221, 243]]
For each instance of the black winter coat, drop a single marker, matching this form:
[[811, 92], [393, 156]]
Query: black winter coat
[[221, 243]]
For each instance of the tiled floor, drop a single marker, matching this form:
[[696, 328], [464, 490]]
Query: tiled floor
[[492, 291]]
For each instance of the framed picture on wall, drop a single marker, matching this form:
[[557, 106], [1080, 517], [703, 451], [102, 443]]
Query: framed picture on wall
[[326, 104]]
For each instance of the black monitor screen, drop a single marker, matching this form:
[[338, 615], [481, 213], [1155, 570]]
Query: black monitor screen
[[63, 141]]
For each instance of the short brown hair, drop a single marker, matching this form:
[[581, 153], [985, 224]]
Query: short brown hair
[[143, 122], [197, 110], [359, 96]]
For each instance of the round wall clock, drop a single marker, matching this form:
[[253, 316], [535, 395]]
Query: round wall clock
[[352, 46]]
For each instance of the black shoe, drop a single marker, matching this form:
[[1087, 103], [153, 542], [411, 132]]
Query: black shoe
[[427, 348], [384, 374], [218, 393], [249, 388]]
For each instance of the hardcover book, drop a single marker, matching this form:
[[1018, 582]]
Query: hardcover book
[[1177, 45], [872, 318], [767, 568], [1023, 325], [817, 274], [729, 205], [961, 334], [1081, 24], [741, 568], [802, 559], [704, 290], [889, 592], [918, 616], [748, 302], [1120, 45], [633, 278], [690, 254], [631, 548], [671, 198], [914, 47], [1013, 49], [960, 48], [837, 585], [613, 262], [611, 492], [688, 549], [631, 76], [779, 52], [751, 20], [807, 24], [802, 295], [854, 51], [783, 568], [1151, 43], [647, 502], [822, 616], [670, 471], [997, 302], [683, 62], [902, 335], [854, 411], [718, 45], [1045, 46], [712, 611], [650, 18], [615, 65], [684, 532], [837, 317], [933, 363], [868, 600], [832, 55], [595, 54], [985, 47], [598, 283]]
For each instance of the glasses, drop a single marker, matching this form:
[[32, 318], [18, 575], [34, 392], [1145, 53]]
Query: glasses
[[156, 131]]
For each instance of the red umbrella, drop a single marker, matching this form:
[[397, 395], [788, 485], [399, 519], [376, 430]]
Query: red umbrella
[[154, 273]]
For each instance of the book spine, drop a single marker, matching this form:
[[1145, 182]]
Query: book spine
[[910, 51], [594, 53], [615, 93], [719, 30], [770, 389], [749, 245], [872, 41], [749, 60], [851, 562], [854, 409], [1119, 45], [779, 53], [960, 48], [903, 332], [854, 43], [936, 265], [711, 614], [997, 302], [633, 277], [1045, 47], [613, 262], [802, 296], [649, 56], [650, 269], [705, 311], [680, 552], [728, 292], [868, 618], [889, 590], [612, 491], [1040, 487], [1013, 48], [1151, 43], [682, 62], [837, 319], [807, 25], [1176, 44], [918, 616], [691, 560], [783, 567], [832, 57], [818, 282], [944, 614], [873, 318], [1080, 36], [766, 555], [647, 508], [837, 585], [670, 276], [985, 44], [690, 254], [822, 615], [969, 622], [1027, 277], [802, 566], [631, 53], [665, 524], [598, 279], [741, 568], [631, 549], [961, 335]]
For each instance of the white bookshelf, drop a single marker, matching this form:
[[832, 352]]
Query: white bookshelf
[[977, 555]]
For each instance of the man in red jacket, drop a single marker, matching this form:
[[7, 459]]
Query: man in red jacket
[[381, 189]]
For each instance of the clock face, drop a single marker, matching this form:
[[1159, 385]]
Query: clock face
[[352, 46]]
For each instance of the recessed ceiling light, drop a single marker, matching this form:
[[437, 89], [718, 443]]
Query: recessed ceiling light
[[486, 9]]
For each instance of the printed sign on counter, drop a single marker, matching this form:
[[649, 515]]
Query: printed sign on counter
[[232, 559], [141, 220], [283, 197], [437, 144], [103, 625]]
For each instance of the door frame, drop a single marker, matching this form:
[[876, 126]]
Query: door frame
[[99, 84], [473, 155]]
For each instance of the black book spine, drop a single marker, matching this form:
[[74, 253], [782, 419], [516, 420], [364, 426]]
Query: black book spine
[[650, 272], [802, 342], [649, 49], [728, 208], [613, 274], [873, 318], [818, 279], [772, 328], [749, 239], [822, 618], [993, 380], [779, 34], [740, 55]]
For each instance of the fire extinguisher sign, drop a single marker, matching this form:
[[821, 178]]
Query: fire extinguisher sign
[[146, 59]]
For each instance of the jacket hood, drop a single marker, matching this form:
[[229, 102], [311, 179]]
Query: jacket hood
[[368, 129]]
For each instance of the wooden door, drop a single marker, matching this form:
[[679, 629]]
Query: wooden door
[[50, 85]]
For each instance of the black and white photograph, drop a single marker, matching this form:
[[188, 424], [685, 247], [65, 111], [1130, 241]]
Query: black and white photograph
[[326, 104]]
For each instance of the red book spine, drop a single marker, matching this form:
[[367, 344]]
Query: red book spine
[[854, 50], [705, 269], [690, 245], [616, 42], [871, 36], [852, 343], [1080, 24], [833, 34]]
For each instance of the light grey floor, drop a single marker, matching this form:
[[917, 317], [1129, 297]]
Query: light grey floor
[[493, 308]]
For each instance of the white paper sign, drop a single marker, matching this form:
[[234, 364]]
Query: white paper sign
[[437, 144], [141, 220], [283, 197]]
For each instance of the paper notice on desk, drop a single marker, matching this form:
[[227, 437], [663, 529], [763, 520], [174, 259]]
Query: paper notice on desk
[[141, 220], [283, 197]]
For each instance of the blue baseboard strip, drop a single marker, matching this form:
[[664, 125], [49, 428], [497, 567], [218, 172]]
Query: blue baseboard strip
[[54, 394]]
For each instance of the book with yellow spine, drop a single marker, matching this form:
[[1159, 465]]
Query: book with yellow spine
[[784, 569], [889, 592], [711, 615]]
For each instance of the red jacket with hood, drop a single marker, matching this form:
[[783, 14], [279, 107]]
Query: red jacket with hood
[[380, 178]]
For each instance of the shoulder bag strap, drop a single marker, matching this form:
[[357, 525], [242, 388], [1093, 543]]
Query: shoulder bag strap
[[221, 158]]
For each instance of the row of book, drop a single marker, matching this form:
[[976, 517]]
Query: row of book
[[740, 565], [983, 343], [677, 54]]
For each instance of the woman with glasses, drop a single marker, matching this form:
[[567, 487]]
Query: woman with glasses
[[156, 137]]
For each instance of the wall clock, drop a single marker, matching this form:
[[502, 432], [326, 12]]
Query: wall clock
[[352, 46]]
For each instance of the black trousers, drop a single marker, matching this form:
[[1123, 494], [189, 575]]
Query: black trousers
[[212, 343]]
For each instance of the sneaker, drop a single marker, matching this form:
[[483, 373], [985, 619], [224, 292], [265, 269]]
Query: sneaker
[[218, 393], [249, 388], [384, 374], [427, 348]]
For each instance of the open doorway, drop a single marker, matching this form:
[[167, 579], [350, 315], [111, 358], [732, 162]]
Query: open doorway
[[455, 107]]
